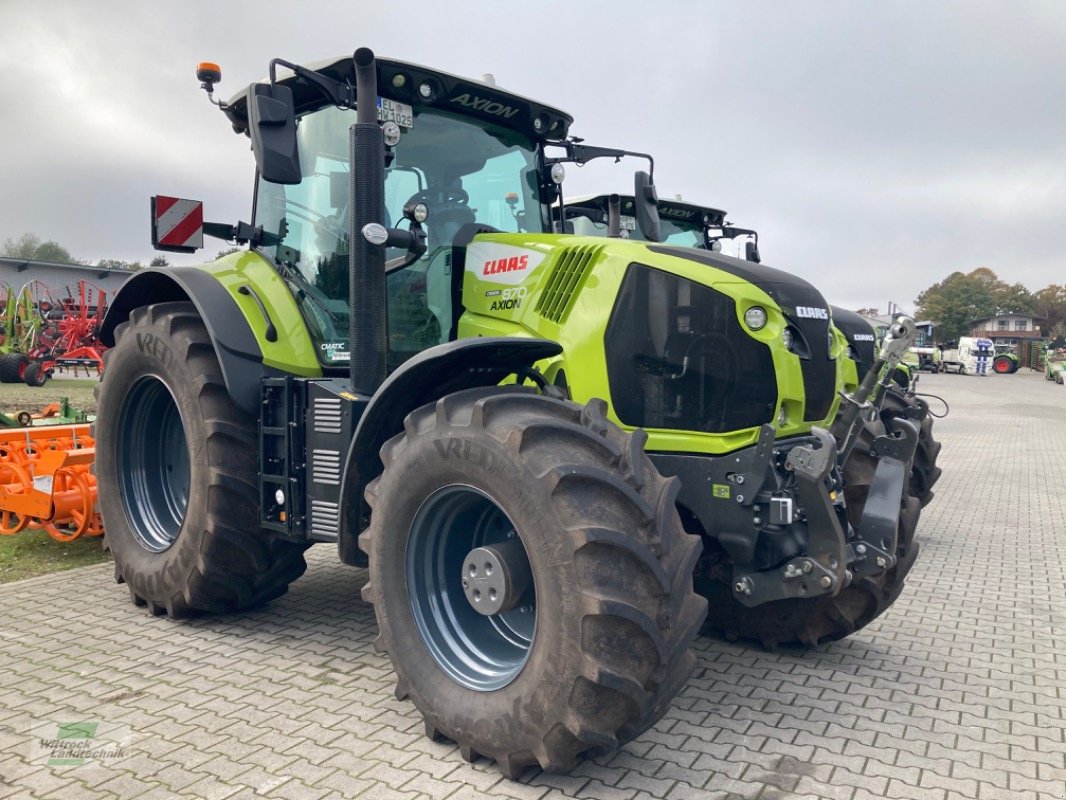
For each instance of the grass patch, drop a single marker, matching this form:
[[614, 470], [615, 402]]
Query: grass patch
[[34, 552], [20, 397]]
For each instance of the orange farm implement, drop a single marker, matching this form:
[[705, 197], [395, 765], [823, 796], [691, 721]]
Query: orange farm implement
[[46, 482]]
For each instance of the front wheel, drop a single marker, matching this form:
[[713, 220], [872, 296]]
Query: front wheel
[[176, 464], [530, 577]]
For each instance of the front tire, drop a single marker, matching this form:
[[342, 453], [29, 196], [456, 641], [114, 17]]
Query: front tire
[[610, 612], [176, 468]]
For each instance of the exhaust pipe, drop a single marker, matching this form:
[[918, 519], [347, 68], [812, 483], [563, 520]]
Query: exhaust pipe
[[614, 216], [367, 300]]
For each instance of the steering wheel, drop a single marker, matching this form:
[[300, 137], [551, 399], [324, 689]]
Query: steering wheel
[[435, 199]]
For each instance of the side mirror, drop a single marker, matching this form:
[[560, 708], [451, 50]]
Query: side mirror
[[272, 126], [646, 205], [751, 252]]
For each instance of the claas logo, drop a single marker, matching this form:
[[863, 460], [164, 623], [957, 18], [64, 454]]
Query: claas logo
[[498, 265]]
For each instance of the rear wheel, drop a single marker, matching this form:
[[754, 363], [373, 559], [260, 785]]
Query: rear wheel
[[1003, 365], [814, 621], [12, 366], [530, 577], [176, 469]]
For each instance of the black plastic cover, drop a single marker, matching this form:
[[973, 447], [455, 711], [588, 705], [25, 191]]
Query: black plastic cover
[[804, 307], [679, 359], [860, 335]]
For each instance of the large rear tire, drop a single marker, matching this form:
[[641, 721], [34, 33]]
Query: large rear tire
[[176, 470], [12, 366], [599, 643], [814, 621]]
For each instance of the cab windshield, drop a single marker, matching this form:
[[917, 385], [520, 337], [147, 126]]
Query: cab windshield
[[464, 172]]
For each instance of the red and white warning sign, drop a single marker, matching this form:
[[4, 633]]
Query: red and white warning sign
[[177, 224]]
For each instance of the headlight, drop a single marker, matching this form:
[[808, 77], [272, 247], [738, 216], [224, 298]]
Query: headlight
[[786, 338], [830, 340], [782, 417], [755, 318]]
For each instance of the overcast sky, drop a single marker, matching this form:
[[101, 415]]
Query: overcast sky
[[876, 146]]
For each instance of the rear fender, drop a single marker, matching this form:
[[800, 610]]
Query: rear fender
[[238, 352], [429, 376]]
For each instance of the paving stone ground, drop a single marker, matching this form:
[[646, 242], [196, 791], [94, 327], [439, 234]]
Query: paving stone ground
[[959, 691]]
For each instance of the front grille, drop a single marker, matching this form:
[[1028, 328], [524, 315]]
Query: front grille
[[678, 358], [792, 294]]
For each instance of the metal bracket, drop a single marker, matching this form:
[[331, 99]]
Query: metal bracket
[[901, 442], [879, 527], [866, 558], [822, 571], [825, 538], [752, 466], [800, 577]]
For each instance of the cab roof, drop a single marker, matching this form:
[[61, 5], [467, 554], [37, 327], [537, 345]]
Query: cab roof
[[400, 81], [676, 210]]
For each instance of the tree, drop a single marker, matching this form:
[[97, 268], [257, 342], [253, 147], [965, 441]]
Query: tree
[[954, 302], [159, 261], [227, 252], [114, 263], [961, 298], [30, 247], [1013, 299], [1051, 305], [867, 312]]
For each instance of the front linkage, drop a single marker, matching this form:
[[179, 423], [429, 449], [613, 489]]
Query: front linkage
[[784, 528]]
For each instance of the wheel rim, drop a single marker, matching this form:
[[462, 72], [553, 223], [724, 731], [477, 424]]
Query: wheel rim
[[1001, 366], [480, 652], [153, 464]]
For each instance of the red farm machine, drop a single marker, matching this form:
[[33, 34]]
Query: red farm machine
[[40, 334]]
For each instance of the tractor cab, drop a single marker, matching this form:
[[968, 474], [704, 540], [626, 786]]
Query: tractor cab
[[463, 155]]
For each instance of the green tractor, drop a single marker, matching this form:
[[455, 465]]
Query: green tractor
[[1006, 363], [427, 399], [20, 324]]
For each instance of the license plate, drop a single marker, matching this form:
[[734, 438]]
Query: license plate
[[627, 223], [393, 111]]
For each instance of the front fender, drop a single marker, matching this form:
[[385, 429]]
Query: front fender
[[238, 352], [429, 376]]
